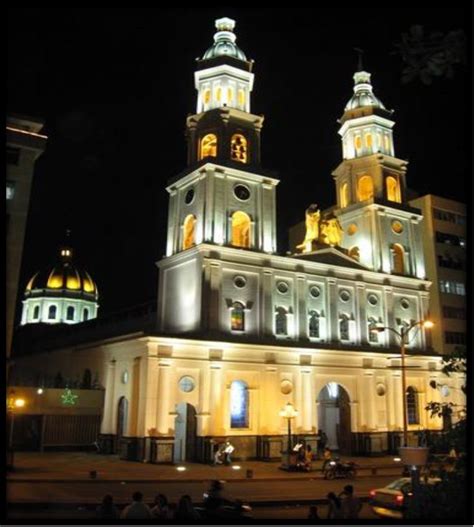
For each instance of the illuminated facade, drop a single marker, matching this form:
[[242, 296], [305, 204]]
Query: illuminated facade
[[62, 294], [241, 330]]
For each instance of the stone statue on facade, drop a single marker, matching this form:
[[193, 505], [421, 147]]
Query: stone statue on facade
[[327, 231], [312, 228]]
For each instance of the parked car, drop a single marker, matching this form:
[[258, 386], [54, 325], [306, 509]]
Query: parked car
[[391, 501]]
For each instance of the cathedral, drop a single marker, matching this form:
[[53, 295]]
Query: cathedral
[[241, 330]]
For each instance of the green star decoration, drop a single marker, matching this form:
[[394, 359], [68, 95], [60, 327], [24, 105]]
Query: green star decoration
[[68, 398]]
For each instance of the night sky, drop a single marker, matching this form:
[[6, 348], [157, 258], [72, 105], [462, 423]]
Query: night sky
[[115, 86]]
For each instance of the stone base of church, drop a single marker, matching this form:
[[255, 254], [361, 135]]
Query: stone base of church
[[251, 447]]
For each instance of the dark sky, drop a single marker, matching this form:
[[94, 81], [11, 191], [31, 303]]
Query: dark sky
[[115, 86]]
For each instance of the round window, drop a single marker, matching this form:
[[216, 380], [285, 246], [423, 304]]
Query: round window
[[314, 291], [242, 192], [286, 387], [240, 281], [352, 229], [186, 384], [380, 389], [373, 299], [189, 196], [397, 226], [445, 390], [282, 287], [344, 295], [405, 303]]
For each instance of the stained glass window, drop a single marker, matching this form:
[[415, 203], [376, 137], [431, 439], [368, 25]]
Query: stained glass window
[[281, 326], [314, 324], [239, 405], [412, 406], [237, 317]]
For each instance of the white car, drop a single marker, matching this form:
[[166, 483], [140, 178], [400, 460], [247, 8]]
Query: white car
[[389, 501]]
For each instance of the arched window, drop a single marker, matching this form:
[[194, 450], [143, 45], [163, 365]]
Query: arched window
[[412, 406], [206, 97], [241, 98], [344, 195], [189, 231], [218, 94], [230, 95], [386, 143], [314, 324], [354, 253], [398, 259], [393, 189], [373, 335], [239, 404], [70, 313], [52, 312], [368, 140], [240, 229], [238, 148], [85, 314], [208, 146], [237, 317], [281, 321], [365, 188], [36, 312], [358, 142], [344, 327]]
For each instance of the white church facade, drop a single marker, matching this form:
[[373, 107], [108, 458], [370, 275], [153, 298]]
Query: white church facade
[[241, 330]]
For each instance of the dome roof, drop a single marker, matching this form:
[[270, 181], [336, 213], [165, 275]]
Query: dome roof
[[63, 279], [224, 42], [363, 93]]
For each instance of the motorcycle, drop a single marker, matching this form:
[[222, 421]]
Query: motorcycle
[[336, 469], [216, 506]]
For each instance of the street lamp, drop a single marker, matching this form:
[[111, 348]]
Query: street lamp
[[13, 403], [288, 412], [403, 335]]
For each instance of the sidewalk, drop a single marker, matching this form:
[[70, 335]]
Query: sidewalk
[[76, 466]]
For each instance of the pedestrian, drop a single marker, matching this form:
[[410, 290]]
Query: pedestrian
[[228, 449], [160, 508], [313, 513], [185, 510], [107, 509], [327, 456], [323, 440], [308, 458], [137, 510], [334, 507], [218, 452], [351, 505]]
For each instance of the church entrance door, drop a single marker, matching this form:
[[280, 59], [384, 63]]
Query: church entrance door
[[185, 433], [334, 417]]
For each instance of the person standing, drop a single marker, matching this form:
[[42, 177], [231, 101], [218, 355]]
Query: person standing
[[334, 507], [351, 505], [228, 449], [308, 458]]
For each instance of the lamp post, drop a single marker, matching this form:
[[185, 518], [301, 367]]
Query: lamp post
[[288, 412], [13, 404], [410, 456]]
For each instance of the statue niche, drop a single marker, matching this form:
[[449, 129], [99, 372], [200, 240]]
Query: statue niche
[[326, 231]]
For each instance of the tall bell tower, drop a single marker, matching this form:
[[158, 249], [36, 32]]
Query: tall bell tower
[[380, 229], [223, 197]]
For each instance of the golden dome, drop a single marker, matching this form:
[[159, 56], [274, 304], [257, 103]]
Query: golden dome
[[64, 278]]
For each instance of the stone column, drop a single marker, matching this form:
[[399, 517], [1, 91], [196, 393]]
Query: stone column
[[333, 315], [215, 293], [389, 316], [268, 407], [151, 399], [398, 404], [215, 403], [369, 388], [390, 403], [362, 313], [307, 406], [108, 425], [268, 309], [204, 396], [162, 418], [302, 311]]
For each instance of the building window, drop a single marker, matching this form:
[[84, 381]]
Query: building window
[[206, 96], [85, 314], [237, 317], [10, 190], [387, 143], [52, 312], [449, 262], [454, 337], [281, 321], [241, 229], [189, 231], [354, 253], [70, 313], [398, 259], [344, 327], [238, 148], [365, 188], [393, 189], [241, 98], [358, 142], [344, 195], [412, 406], [230, 95], [450, 239], [454, 312], [219, 94], [368, 140], [451, 217], [208, 146], [451, 287], [36, 313], [314, 324], [373, 335], [239, 404], [13, 155]]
